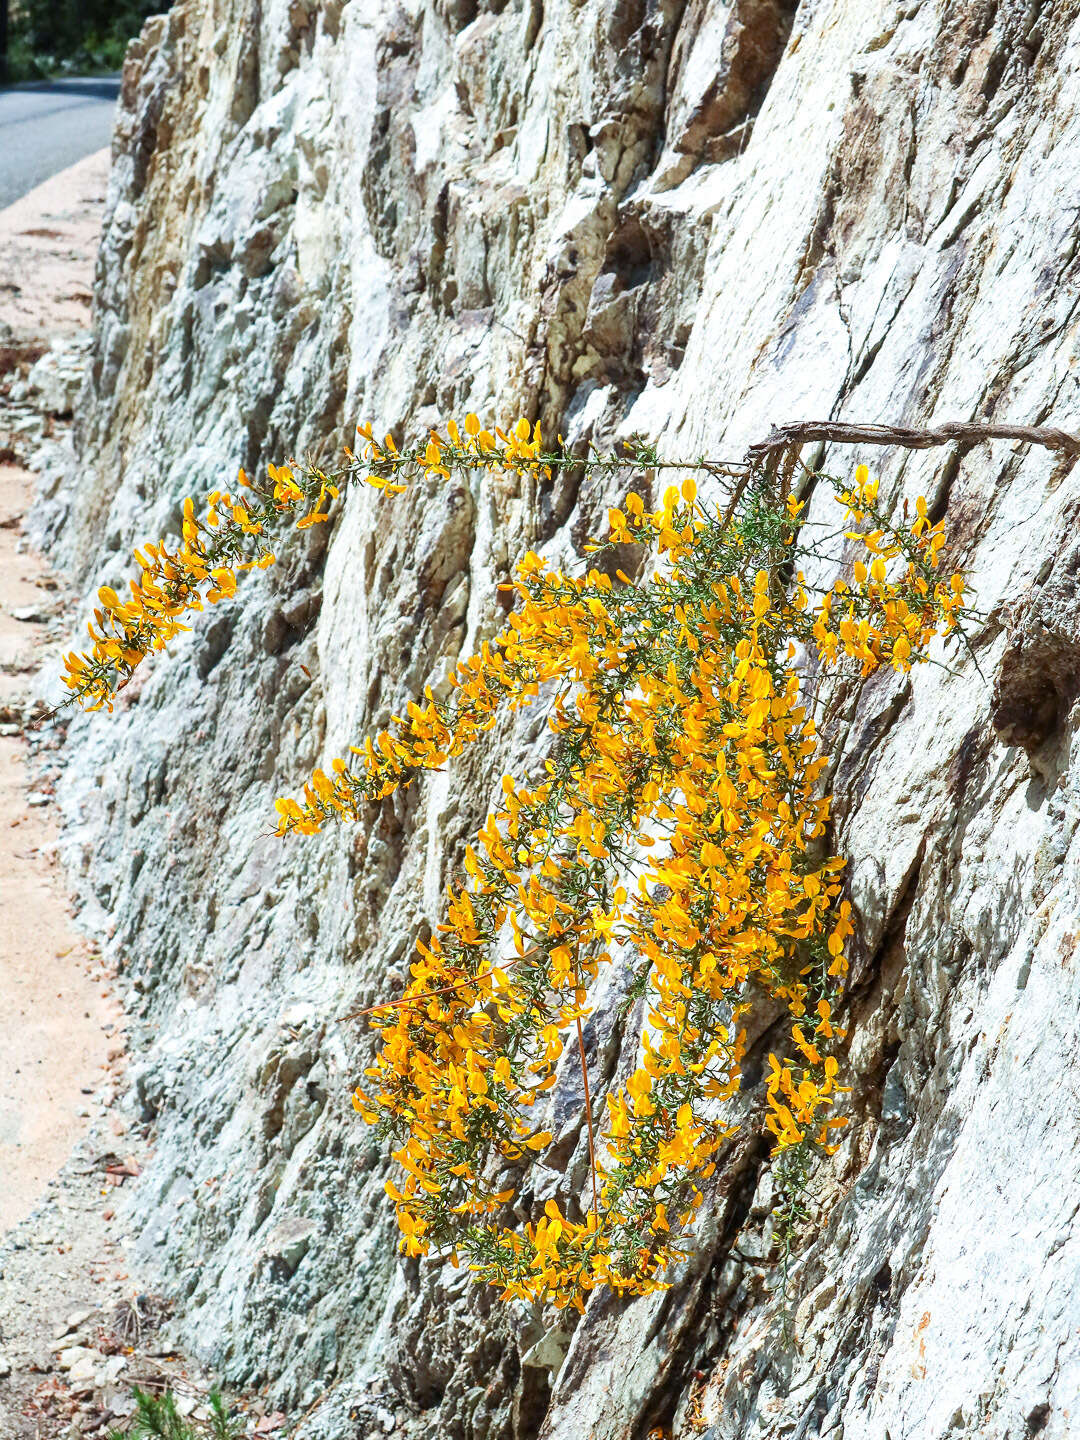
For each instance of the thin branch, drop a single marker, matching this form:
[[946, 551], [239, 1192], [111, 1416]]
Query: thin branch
[[736, 496], [910, 438], [442, 990], [588, 1118]]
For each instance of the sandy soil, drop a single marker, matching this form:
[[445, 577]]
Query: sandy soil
[[73, 1330], [77, 1328], [56, 1017], [48, 241], [55, 1020]]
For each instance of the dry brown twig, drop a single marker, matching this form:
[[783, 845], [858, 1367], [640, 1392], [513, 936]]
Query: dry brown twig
[[442, 990], [837, 432]]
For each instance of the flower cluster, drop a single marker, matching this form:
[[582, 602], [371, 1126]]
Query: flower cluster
[[228, 538], [677, 831], [232, 534], [679, 821]]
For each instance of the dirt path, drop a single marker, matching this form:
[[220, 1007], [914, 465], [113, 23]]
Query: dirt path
[[57, 1016], [69, 1305], [48, 242], [75, 1330], [56, 1019]]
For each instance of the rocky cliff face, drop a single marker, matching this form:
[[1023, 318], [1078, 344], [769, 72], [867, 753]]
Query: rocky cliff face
[[690, 221]]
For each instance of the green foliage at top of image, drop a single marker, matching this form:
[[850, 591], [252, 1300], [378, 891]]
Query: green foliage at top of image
[[58, 37]]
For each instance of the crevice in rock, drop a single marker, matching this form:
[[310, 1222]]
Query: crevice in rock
[[817, 241], [864, 970], [1037, 1420], [1039, 675], [703, 1335], [245, 83], [712, 122], [939, 507]]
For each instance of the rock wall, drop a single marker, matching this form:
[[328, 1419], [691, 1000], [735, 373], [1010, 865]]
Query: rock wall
[[689, 221]]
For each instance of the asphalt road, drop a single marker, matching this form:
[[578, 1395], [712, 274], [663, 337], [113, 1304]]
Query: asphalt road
[[47, 125]]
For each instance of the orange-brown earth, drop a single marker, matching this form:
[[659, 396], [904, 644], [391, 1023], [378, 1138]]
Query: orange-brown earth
[[75, 1332], [57, 1016]]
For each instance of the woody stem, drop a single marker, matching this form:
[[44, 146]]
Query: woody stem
[[442, 990], [588, 1119]]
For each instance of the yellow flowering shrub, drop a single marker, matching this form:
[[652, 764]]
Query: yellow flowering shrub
[[677, 828]]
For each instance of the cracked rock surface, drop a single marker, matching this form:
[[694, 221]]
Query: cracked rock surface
[[690, 221]]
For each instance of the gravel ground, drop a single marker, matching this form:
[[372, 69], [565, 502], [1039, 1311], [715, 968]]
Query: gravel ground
[[48, 242], [77, 1331]]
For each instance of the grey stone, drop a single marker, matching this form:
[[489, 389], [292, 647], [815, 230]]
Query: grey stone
[[84, 1369], [75, 1355], [289, 1241], [690, 222]]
